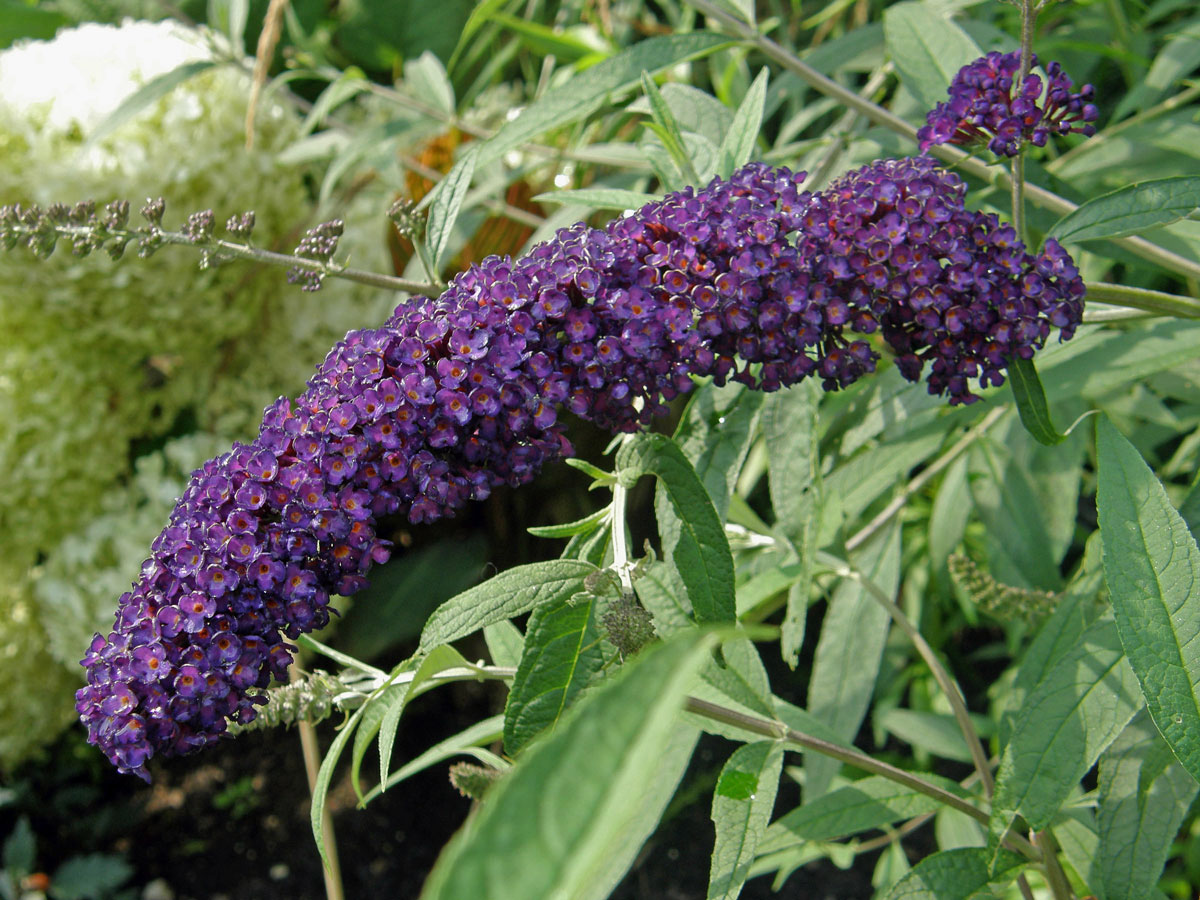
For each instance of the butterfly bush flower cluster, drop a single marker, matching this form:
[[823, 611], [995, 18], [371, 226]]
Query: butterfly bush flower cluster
[[990, 105], [748, 280]]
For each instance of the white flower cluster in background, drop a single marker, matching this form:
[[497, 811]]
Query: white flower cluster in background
[[101, 361]]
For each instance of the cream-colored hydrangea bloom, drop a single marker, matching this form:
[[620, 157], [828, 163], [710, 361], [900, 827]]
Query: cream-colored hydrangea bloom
[[99, 360]]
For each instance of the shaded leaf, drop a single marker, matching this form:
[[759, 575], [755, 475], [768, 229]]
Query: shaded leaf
[[1031, 402], [926, 48], [849, 651], [511, 593], [871, 802], [1144, 794], [561, 822], [741, 807], [1152, 567], [694, 542], [951, 875], [562, 652], [1130, 210]]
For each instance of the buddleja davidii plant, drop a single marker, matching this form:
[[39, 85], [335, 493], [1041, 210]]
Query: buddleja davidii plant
[[698, 580]]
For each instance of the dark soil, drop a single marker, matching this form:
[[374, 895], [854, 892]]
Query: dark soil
[[233, 823]]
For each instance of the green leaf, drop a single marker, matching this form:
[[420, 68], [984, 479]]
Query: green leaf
[[951, 875], [439, 659], [1152, 567], [511, 593], [695, 542], [347, 85], [1076, 611], [599, 198], [668, 130], [20, 849], [741, 808], [1130, 210], [927, 49], [591, 89], [789, 423], [741, 677], [1144, 794], [320, 788], [871, 802], [562, 652], [505, 643], [566, 821], [737, 147], [849, 652], [445, 203], [715, 434], [90, 876], [426, 77], [19, 20], [935, 733], [586, 525], [659, 590], [376, 708], [1010, 506], [467, 742], [1077, 710], [145, 97], [1031, 402], [547, 41], [308, 642]]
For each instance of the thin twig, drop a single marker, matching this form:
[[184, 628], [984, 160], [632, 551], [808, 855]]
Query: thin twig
[[885, 515], [312, 765], [779, 731], [945, 681]]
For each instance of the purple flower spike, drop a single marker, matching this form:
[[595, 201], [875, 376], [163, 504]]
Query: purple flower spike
[[959, 292], [748, 279], [988, 106]]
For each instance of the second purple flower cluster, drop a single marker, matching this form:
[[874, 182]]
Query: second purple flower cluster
[[990, 104], [749, 279]]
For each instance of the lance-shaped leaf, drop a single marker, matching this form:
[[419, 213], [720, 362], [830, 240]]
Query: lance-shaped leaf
[[1131, 209], [1152, 567], [1078, 709], [927, 49], [871, 802], [741, 808], [789, 424], [509, 594], [849, 651], [1144, 794], [567, 820], [562, 651], [952, 875], [693, 538]]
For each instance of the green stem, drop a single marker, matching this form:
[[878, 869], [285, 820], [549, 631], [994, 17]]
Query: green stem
[[1056, 878], [993, 175], [224, 249], [779, 731], [945, 682], [312, 764], [1028, 18], [1157, 302]]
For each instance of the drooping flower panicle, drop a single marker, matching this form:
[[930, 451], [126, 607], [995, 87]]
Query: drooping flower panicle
[[989, 104], [748, 279]]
